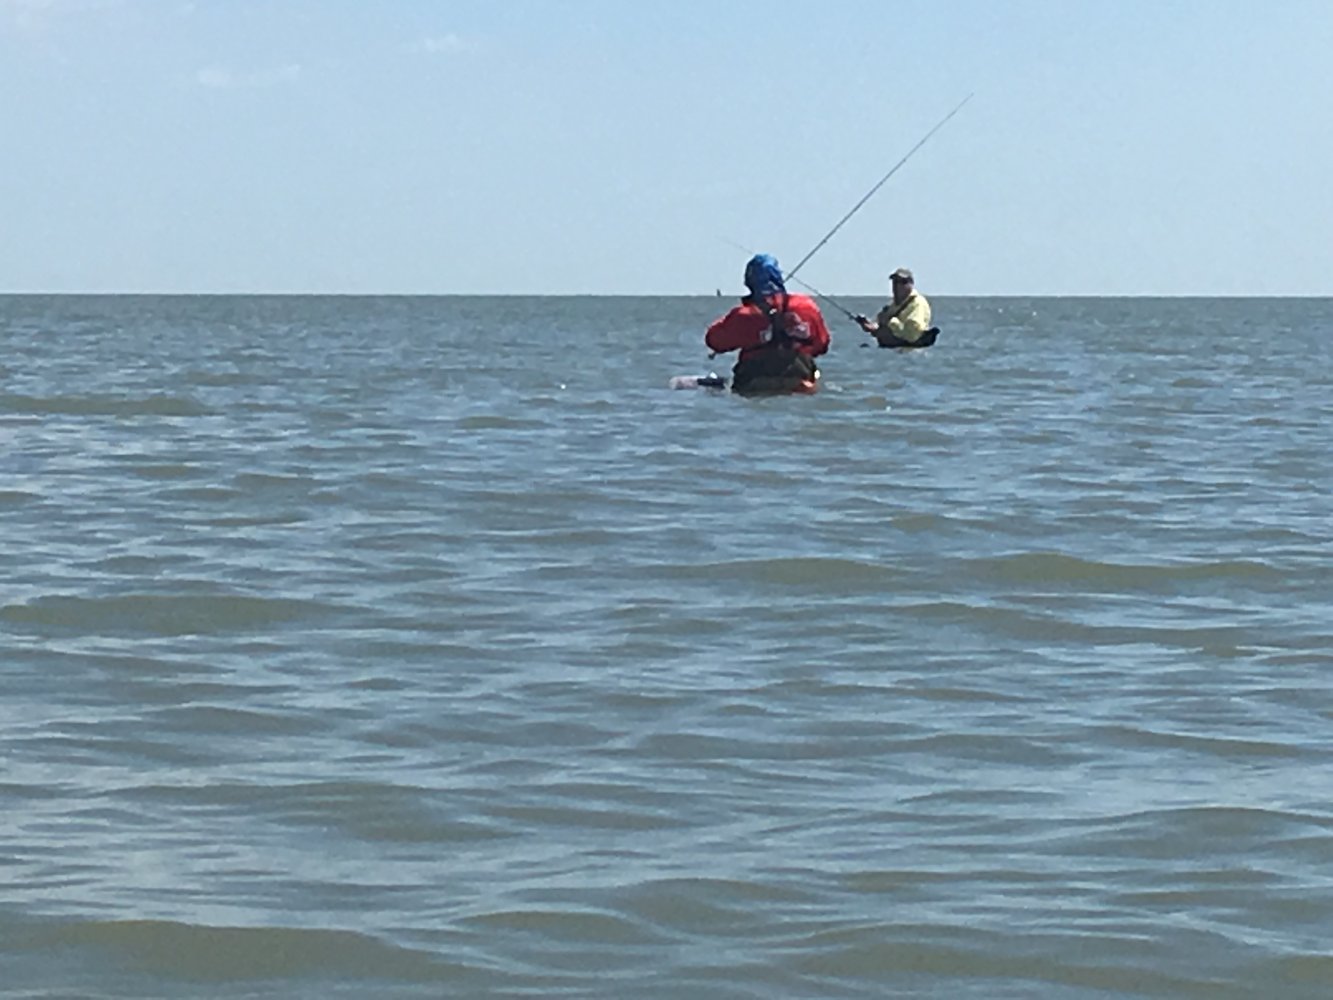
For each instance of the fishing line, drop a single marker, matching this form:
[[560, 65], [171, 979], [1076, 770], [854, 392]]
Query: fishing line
[[804, 284], [880, 184]]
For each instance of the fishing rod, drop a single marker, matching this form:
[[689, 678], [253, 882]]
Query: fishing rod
[[857, 207], [827, 298], [804, 284]]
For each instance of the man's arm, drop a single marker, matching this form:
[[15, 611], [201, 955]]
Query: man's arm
[[743, 327]]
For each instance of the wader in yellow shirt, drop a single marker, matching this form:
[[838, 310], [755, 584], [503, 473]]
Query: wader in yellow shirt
[[905, 324]]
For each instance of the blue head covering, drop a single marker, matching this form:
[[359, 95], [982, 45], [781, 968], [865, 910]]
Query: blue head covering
[[763, 276]]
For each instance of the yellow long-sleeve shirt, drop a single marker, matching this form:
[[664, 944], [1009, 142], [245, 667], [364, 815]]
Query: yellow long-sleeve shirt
[[904, 322]]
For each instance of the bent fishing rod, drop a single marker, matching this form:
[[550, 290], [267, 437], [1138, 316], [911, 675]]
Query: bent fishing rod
[[865, 198]]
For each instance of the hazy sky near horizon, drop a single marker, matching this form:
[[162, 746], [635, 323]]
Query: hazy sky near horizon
[[1133, 147]]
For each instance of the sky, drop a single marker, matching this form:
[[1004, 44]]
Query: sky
[[1132, 147]]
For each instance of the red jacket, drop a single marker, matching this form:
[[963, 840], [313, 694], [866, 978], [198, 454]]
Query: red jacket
[[747, 328]]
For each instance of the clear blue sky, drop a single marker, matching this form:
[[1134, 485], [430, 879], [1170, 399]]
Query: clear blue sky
[[607, 146]]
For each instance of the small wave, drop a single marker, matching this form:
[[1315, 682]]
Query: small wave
[[1010, 621], [568, 926], [198, 494], [1220, 820], [1011, 963], [365, 810], [267, 482], [221, 378], [1052, 569], [164, 471], [175, 950], [702, 905], [1234, 835], [499, 423], [247, 723], [1311, 971], [102, 405], [1222, 746], [923, 521], [1223, 641], [812, 571], [17, 498], [155, 614], [132, 565]]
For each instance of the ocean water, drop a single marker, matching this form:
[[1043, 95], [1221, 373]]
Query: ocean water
[[356, 647]]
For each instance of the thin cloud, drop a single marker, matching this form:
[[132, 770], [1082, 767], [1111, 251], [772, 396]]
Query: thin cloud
[[38, 13], [221, 78], [27, 10], [436, 45]]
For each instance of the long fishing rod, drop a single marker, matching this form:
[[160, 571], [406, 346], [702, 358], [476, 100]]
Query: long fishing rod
[[827, 298], [857, 207], [804, 284]]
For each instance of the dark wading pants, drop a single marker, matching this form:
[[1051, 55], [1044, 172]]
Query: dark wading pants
[[772, 370]]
